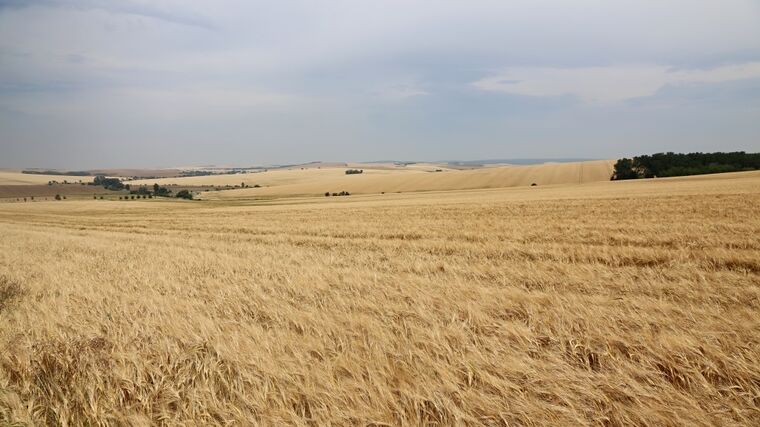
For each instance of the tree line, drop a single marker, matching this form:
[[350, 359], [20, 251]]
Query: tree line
[[115, 184], [680, 164], [71, 173]]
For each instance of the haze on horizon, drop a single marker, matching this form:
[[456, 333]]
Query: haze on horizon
[[87, 83]]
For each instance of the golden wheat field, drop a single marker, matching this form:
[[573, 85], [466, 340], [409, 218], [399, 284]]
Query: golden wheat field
[[381, 178], [610, 303]]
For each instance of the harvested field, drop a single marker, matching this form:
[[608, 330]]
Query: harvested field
[[12, 192], [609, 303], [18, 178]]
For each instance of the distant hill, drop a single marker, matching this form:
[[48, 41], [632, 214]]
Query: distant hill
[[412, 178], [536, 161]]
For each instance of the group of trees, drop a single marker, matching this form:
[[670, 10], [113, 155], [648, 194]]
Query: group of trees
[[108, 183], [65, 182], [142, 191], [342, 193], [132, 197], [71, 173], [160, 191], [208, 172], [679, 164], [185, 194], [353, 171], [182, 194]]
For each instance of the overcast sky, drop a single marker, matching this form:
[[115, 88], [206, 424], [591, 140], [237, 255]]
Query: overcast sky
[[88, 83]]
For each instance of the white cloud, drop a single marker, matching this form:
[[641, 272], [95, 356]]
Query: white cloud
[[608, 84]]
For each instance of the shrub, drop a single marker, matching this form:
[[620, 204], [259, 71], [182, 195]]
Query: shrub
[[57, 197], [327, 194]]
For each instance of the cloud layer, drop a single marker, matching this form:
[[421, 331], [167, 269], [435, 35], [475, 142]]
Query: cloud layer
[[87, 83], [612, 83]]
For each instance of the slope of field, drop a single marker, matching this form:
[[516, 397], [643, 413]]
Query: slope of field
[[274, 177], [609, 303], [18, 178], [412, 180]]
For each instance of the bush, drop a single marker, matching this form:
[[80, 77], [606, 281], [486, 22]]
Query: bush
[[57, 197], [327, 194]]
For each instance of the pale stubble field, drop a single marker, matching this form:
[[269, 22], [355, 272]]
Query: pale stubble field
[[599, 304]]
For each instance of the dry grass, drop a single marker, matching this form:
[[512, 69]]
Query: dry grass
[[604, 304]]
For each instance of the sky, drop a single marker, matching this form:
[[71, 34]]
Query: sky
[[89, 84]]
